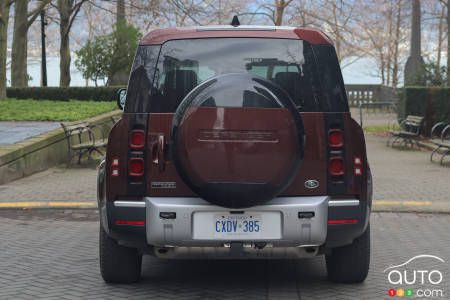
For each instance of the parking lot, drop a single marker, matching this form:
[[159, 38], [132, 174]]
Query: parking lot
[[53, 255]]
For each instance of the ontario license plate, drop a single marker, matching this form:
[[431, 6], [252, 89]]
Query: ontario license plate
[[250, 225], [226, 225]]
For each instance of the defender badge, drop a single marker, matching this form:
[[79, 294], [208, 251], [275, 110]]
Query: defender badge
[[311, 184], [164, 185]]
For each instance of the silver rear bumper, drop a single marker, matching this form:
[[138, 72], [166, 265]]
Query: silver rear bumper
[[178, 232]]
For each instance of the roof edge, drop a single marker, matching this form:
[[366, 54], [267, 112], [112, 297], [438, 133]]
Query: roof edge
[[160, 36]]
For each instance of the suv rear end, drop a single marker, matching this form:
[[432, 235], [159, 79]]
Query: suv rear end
[[235, 142]]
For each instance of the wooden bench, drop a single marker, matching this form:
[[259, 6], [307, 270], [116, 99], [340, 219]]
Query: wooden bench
[[83, 138], [408, 133], [441, 141]]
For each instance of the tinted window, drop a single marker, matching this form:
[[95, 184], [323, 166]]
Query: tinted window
[[139, 93], [333, 90], [163, 75], [183, 64]]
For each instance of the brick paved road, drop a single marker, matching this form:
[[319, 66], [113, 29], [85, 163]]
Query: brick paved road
[[53, 255]]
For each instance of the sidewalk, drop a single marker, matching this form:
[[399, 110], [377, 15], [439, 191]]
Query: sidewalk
[[55, 187], [406, 180]]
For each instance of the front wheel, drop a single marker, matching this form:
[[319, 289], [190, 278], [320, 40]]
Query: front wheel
[[350, 264], [118, 264]]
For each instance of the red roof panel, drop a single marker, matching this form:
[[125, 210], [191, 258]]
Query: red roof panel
[[160, 36]]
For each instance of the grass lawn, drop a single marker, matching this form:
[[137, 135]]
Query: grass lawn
[[380, 128], [47, 110]]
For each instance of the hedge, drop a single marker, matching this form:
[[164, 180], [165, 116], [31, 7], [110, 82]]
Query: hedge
[[433, 103], [103, 93]]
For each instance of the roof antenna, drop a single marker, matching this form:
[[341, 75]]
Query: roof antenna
[[235, 21]]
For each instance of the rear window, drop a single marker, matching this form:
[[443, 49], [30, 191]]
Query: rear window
[[183, 64]]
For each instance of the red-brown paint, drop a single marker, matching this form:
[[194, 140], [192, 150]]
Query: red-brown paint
[[255, 145], [314, 165]]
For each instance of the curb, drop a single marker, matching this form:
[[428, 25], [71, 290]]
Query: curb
[[47, 205]]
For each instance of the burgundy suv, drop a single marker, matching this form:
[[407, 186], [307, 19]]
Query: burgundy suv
[[236, 142]]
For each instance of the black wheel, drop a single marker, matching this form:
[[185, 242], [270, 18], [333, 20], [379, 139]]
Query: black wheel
[[350, 264], [118, 264]]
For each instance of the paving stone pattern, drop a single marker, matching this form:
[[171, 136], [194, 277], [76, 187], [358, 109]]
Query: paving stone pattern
[[54, 255]]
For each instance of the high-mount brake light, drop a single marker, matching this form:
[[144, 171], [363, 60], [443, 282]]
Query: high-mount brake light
[[335, 138], [136, 167], [337, 166], [137, 139]]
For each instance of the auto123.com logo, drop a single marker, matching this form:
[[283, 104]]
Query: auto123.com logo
[[405, 275]]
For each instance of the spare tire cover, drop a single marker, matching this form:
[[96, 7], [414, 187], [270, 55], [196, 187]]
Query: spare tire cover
[[237, 140]]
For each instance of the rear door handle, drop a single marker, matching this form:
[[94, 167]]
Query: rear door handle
[[158, 153]]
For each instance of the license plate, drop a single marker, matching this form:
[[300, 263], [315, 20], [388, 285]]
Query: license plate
[[226, 225], [245, 226]]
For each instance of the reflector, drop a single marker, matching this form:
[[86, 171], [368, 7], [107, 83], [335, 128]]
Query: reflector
[[351, 221], [139, 223]]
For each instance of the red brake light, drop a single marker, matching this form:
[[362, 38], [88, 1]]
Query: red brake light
[[335, 138], [136, 167], [137, 139], [337, 166]]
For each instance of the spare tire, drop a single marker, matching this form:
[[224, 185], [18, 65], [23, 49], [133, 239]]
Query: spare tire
[[237, 140]]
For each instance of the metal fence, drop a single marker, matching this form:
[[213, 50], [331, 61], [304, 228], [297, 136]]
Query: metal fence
[[358, 94]]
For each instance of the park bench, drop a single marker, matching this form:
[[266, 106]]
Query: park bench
[[442, 143], [408, 132], [85, 138]]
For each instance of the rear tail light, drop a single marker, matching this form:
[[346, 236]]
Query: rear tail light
[[136, 167], [335, 138], [337, 166], [137, 139]]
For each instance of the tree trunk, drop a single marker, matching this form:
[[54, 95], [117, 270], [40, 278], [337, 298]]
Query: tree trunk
[[279, 16], [448, 43], [64, 64], [19, 74], [120, 10], [396, 45], [389, 50], [4, 18], [280, 5], [440, 39], [65, 9], [120, 77]]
